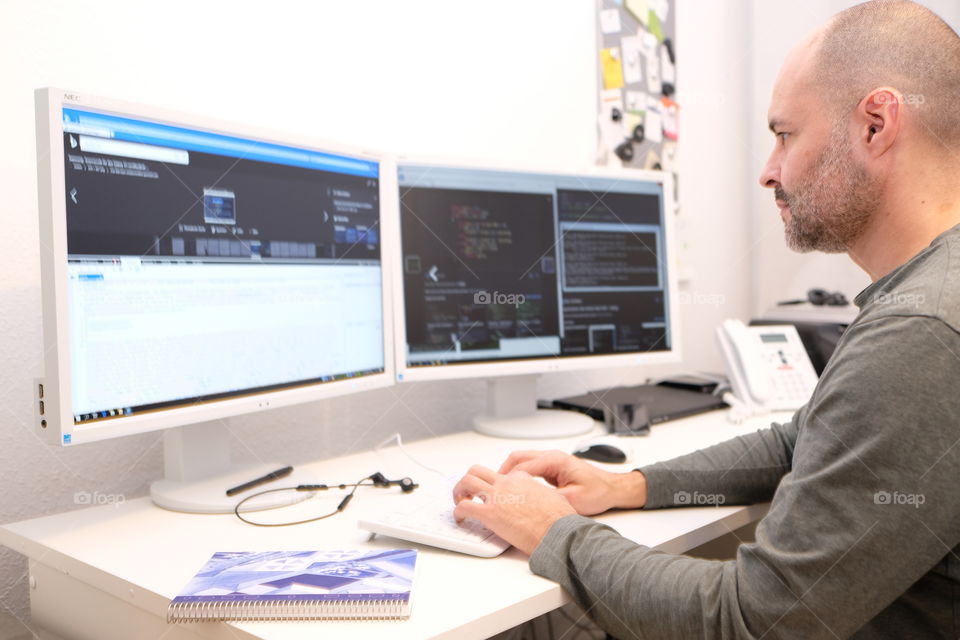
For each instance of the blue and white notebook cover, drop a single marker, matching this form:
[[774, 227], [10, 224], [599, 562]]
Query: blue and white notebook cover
[[273, 585]]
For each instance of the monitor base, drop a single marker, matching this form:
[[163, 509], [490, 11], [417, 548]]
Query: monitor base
[[198, 473], [209, 495], [512, 413], [544, 423]]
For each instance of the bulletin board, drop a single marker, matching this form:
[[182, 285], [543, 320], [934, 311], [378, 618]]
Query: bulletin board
[[638, 115]]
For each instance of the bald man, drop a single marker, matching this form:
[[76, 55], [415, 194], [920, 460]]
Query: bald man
[[861, 539]]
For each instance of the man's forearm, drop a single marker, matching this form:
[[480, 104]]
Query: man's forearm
[[743, 470]]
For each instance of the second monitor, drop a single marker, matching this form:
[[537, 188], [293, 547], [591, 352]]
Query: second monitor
[[509, 274]]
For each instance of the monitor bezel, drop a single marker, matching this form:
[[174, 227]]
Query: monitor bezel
[[55, 420], [533, 366]]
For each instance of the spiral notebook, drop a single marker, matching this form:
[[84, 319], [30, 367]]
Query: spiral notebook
[[298, 585]]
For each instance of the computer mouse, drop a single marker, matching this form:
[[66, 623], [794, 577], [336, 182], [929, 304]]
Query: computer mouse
[[601, 453]]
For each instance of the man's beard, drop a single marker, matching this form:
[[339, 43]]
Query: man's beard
[[830, 209]]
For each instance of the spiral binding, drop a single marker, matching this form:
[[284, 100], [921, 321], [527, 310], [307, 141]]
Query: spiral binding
[[263, 610]]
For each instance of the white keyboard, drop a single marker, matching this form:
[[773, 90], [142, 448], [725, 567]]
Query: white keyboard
[[430, 521]]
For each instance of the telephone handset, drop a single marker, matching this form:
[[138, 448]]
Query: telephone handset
[[768, 367]]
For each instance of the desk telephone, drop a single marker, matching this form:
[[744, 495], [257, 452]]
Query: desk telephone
[[768, 367]]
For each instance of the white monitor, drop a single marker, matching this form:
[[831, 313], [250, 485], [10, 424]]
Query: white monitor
[[194, 270], [506, 274]]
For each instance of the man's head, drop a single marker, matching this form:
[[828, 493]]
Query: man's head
[[855, 105]]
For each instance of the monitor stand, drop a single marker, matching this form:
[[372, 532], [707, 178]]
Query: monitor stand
[[512, 413], [198, 472]]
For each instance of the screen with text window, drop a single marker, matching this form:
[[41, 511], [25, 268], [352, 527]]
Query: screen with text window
[[508, 265]]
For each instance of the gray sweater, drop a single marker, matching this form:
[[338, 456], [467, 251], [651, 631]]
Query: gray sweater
[[862, 535]]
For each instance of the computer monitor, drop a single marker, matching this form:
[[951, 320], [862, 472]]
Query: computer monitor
[[194, 270], [507, 274]]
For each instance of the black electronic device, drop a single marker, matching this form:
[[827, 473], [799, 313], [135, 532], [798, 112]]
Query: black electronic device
[[601, 453], [690, 382], [662, 403], [819, 297]]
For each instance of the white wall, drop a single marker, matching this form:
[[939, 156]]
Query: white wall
[[505, 80], [779, 274]]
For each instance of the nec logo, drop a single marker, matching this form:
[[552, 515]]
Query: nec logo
[[71, 96]]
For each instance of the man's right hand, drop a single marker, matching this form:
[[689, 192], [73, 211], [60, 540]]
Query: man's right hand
[[588, 489]]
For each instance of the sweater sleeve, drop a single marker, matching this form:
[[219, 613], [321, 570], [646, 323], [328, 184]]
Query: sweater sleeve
[[868, 508], [743, 470]]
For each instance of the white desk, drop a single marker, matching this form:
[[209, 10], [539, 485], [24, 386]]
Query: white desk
[[109, 572]]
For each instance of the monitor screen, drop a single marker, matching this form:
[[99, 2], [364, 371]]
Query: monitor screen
[[202, 266], [508, 266]]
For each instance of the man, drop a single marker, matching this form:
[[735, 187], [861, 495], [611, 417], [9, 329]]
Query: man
[[861, 539]]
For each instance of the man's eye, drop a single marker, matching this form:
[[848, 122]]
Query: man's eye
[[783, 136]]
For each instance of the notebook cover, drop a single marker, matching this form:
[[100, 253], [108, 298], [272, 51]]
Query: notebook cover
[[256, 581]]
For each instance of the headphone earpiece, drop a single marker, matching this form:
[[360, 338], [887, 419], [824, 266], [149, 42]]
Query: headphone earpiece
[[406, 484], [823, 297]]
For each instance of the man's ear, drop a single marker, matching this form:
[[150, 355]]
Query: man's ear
[[879, 118]]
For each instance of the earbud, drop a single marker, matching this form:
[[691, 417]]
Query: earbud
[[406, 484]]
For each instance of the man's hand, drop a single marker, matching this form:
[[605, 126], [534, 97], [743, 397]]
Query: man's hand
[[589, 490], [516, 507]]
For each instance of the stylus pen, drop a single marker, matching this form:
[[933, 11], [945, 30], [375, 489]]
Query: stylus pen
[[273, 475]]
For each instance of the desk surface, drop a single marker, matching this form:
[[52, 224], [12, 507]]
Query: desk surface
[[143, 555]]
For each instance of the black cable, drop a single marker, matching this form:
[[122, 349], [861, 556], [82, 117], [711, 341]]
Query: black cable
[[305, 487]]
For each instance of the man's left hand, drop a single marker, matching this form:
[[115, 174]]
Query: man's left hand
[[516, 507]]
